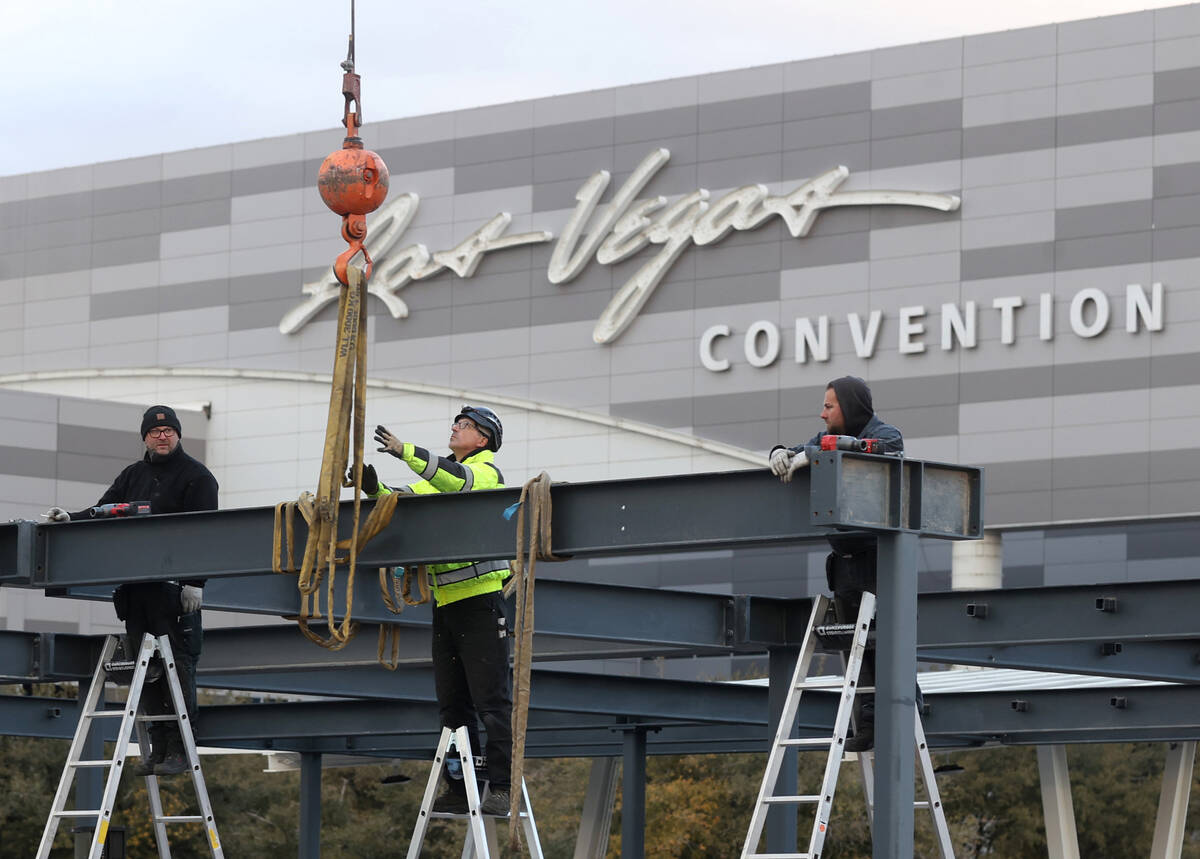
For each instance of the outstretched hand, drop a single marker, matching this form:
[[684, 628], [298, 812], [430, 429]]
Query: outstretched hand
[[388, 443]]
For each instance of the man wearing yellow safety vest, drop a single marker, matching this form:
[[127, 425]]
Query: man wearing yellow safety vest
[[470, 629]]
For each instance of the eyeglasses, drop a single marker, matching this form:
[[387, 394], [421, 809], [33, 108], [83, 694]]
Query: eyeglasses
[[464, 424], [162, 432]]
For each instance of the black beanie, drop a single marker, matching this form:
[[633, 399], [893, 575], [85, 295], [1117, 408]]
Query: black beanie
[[160, 416], [854, 397]]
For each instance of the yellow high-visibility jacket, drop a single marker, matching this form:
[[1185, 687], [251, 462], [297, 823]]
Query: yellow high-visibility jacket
[[453, 582]]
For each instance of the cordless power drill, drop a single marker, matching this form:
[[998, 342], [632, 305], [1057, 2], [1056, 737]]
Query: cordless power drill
[[121, 509], [849, 442]]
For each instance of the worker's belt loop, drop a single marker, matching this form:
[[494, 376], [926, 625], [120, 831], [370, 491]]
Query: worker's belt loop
[[473, 571]]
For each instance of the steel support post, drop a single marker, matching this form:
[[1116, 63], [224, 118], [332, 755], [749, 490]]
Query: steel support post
[[781, 819], [89, 782], [310, 806], [895, 683], [1170, 825], [595, 823], [1062, 842], [633, 794]]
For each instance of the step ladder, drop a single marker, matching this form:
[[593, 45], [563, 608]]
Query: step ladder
[[480, 842], [848, 686], [93, 711]]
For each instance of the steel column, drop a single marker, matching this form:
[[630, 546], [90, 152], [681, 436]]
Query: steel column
[[633, 794], [781, 819], [595, 822], [1171, 823], [1062, 842], [895, 682], [310, 806]]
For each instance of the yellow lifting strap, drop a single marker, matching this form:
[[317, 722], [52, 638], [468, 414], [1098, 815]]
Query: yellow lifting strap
[[534, 512], [323, 551]]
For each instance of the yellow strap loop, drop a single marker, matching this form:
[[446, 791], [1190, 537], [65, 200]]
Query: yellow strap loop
[[535, 508]]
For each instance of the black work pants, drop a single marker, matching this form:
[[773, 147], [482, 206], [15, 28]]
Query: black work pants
[[849, 577], [473, 679], [154, 607]]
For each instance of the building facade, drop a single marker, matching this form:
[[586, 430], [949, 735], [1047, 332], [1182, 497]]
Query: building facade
[[1001, 233]]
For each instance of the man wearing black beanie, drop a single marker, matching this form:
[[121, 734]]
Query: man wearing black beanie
[[172, 482], [850, 567]]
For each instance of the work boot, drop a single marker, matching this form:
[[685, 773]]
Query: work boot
[[497, 803], [450, 801], [864, 725], [863, 739], [150, 761], [174, 761]]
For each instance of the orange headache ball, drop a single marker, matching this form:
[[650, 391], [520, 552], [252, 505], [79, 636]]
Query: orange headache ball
[[353, 181]]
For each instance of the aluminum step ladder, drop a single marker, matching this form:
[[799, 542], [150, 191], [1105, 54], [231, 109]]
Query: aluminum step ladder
[[93, 711], [835, 744], [480, 842]]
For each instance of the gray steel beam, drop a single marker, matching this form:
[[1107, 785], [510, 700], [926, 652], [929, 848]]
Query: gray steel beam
[[408, 729], [660, 620], [632, 697], [680, 512], [1169, 661], [1117, 714], [1145, 611]]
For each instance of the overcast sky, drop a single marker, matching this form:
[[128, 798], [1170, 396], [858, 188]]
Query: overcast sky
[[95, 80]]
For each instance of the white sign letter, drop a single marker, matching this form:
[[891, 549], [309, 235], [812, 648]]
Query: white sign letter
[[766, 358], [707, 358], [1138, 305], [864, 343], [954, 325], [807, 338], [1006, 306], [911, 326], [1046, 316], [1100, 322]]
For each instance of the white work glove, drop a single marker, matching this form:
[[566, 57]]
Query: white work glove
[[57, 514], [799, 461], [190, 598], [781, 458]]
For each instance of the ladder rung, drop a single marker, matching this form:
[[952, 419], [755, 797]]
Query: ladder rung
[[89, 763], [809, 741], [78, 812], [778, 856], [794, 800], [170, 717], [104, 714], [466, 815], [832, 684], [181, 818], [820, 684]]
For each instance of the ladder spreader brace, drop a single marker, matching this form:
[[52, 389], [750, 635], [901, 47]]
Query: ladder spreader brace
[[848, 685], [93, 709], [480, 842]]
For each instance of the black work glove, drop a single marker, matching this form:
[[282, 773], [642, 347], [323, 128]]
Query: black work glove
[[388, 442], [370, 480]]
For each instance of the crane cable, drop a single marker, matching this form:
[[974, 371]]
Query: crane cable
[[353, 182]]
